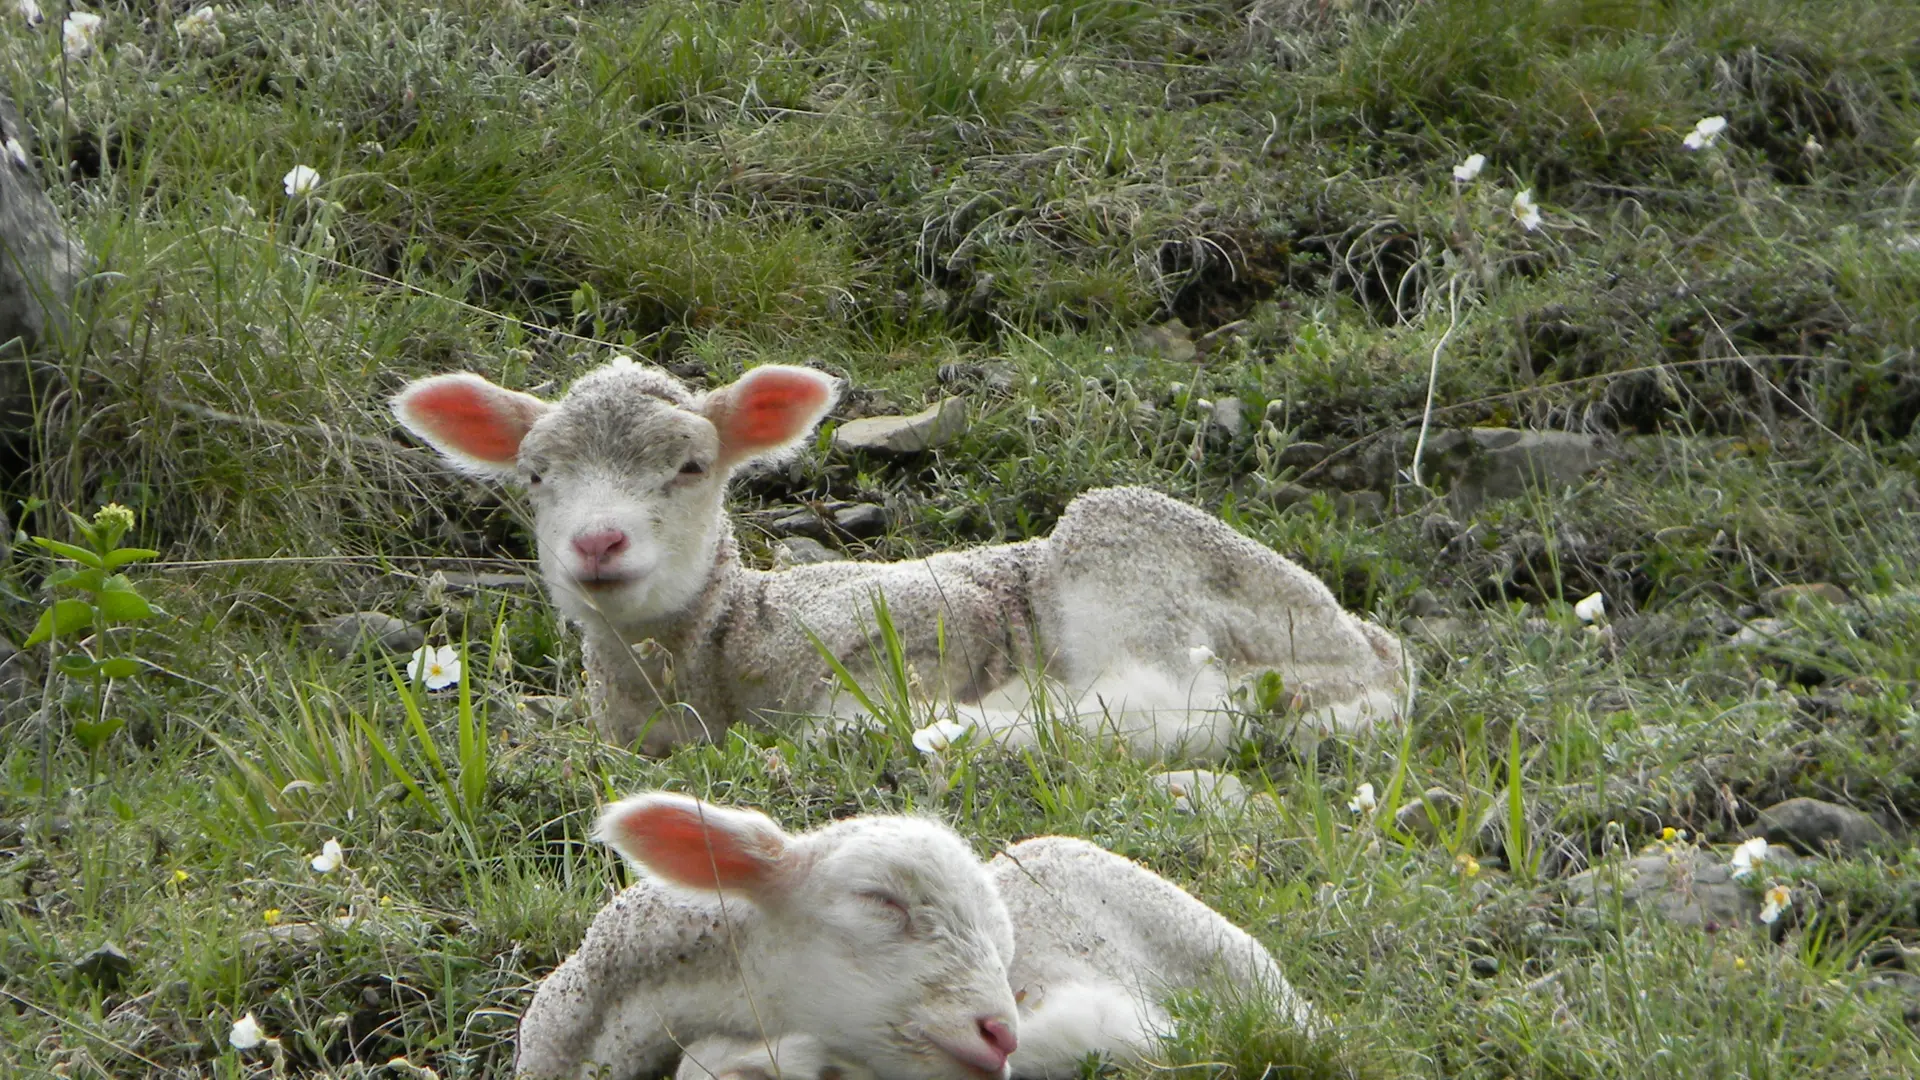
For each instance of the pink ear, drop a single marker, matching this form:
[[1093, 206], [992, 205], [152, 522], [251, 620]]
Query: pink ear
[[696, 844], [767, 410], [475, 424]]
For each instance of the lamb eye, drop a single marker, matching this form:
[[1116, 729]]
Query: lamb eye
[[533, 479], [894, 905], [692, 468]]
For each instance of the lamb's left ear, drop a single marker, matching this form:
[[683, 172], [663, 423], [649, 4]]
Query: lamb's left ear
[[768, 411], [473, 423]]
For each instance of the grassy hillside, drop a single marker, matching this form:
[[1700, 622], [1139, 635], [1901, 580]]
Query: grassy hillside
[[1001, 199]]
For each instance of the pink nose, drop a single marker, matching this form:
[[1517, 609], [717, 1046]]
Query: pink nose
[[596, 547], [998, 1036]]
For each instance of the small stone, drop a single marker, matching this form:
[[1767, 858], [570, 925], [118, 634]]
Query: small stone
[[1413, 817], [105, 966], [1281, 496], [932, 427], [1170, 340], [1784, 597], [1816, 827], [1229, 416], [1760, 631], [1301, 455], [1201, 789], [802, 551], [862, 520], [343, 633], [1485, 966]]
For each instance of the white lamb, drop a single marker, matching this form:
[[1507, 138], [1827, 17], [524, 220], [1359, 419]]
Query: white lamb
[[875, 948], [1139, 615]]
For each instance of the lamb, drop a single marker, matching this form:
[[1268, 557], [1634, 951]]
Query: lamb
[[1139, 615], [874, 947]]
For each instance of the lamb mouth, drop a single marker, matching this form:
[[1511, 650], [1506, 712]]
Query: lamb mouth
[[601, 584]]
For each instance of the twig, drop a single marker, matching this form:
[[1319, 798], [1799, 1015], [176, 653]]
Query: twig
[[1433, 374]]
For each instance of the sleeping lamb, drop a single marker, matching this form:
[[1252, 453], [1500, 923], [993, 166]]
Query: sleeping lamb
[[1138, 616], [874, 947]]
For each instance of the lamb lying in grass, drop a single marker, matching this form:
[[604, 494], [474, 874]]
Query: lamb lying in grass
[[873, 947], [1139, 615]]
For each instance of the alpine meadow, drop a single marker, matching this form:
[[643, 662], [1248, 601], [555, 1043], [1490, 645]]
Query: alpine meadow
[[1574, 345]]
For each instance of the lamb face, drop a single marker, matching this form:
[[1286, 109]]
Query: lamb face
[[627, 473], [885, 937]]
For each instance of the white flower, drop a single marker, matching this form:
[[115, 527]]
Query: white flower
[[202, 27], [18, 154], [300, 181], [1200, 656], [1591, 609], [1747, 854], [1527, 214], [1812, 147], [438, 668], [246, 1033], [1363, 801], [330, 857], [1465, 171], [1705, 133], [78, 33], [937, 736], [30, 11], [1778, 898]]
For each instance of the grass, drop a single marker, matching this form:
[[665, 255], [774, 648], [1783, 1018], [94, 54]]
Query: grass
[[989, 197]]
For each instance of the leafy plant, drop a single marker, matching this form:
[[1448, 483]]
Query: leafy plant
[[91, 600]]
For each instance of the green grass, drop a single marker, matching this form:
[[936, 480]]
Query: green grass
[[1005, 188]]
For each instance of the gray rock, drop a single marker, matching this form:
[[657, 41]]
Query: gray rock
[[105, 966], [1170, 340], [935, 426], [1691, 887], [1229, 417], [802, 551], [1479, 465], [843, 519], [1301, 455], [43, 264], [343, 633], [1201, 789], [1784, 597], [1414, 818], [1820, 828], [1760, 631], [861, 520]]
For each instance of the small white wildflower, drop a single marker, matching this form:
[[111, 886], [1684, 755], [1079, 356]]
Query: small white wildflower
[[938, 735], [1705, 133], [1812, 147], [437, 668], [30, 11], [1778, 898], [1464, 172], [330, 857], [79, 33], [301, 181], [246, 1033], [1200, 656], [201, 27], [1524, 212], [1363, 801], [1746, 855], [1591, 609], [18, 154]]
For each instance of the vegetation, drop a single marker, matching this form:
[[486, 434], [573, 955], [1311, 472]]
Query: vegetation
[[987, 197]]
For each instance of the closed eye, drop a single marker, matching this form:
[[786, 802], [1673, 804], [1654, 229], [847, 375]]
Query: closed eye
[[894, 906], [693, 468]]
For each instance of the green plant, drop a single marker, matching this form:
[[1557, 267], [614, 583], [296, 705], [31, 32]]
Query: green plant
[[83, 625]]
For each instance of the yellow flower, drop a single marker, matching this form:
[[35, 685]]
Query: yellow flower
[[272, 915], [1669, 833], [1467, 864], [1739, 963]]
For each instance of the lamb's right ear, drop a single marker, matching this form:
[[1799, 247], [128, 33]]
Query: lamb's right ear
[[696, 844], [473, 423], [768, 411]]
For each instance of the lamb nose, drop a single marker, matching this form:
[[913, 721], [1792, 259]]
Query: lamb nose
[[997, 1034], [595, 546]]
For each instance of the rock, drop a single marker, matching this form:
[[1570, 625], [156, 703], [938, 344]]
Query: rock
[[344, 633], [1691, 886], [1229, 417], [1281, 496], [1479, 465], [1816, 827], [1170, 340], [1760, 632], [1201, 789], [932, 427], [43, 264], [105, 966], [802, 551], [1413, 817], [996, 379], [860, 520], [1301, 455], [1784, 597]]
